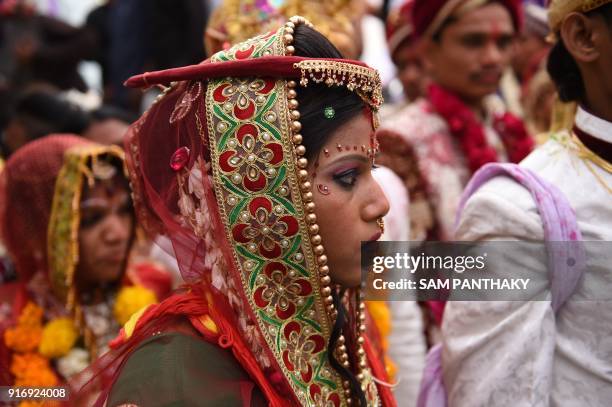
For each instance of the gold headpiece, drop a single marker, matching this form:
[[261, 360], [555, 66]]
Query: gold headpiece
[[558, 9], [238, 20]]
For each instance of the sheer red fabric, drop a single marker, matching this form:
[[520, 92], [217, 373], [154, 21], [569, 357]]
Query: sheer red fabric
[[26, 193], [27, 185], [168, 157], [150, 144]]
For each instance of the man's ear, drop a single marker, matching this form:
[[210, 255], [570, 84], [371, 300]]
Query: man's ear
[[579, 36]]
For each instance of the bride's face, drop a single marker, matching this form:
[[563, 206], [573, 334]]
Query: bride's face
[[348, 200]]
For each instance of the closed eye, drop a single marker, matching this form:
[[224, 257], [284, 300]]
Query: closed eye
[[347, 179]]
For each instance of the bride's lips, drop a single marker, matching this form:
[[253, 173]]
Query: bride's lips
[[375, 237]]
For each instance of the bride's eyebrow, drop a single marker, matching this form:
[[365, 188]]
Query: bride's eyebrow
[[349, 157]]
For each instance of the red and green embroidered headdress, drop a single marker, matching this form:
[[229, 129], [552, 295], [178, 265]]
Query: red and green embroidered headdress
[[218, 166]]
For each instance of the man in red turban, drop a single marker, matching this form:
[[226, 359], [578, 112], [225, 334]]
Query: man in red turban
[[405, 52], [436, 143], [554, 352]]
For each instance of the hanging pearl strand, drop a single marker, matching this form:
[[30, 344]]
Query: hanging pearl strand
[[313, 228]]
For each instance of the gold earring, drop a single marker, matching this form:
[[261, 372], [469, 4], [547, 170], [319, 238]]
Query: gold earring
[[381, 224]]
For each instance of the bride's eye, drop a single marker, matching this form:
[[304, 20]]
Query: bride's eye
[[347, 178]]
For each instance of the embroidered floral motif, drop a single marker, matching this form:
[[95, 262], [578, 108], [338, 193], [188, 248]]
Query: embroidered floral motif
[[299, 348], [256, 187], [185, 102], [279, 289], [265, 228], [322, 397]]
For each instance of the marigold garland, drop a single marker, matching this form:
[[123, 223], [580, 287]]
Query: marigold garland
[[469, 131], [26, 335], [33, 346], [23, 338], [31, 315], [58, 338], [32, 369], [381, 315], [130, 300]]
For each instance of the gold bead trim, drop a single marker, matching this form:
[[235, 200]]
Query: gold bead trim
[[366, 83], [592, 5], [359, 79], [303, 176]]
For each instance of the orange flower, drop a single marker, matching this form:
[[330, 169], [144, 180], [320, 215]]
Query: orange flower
[[31, 315], [33, 403], [31, 369], [23, 338]]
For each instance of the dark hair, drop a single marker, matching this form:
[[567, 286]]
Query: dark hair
[[314, 98], [106, 112], [564, 70], [316, 131], [43, 113], [341, 321]]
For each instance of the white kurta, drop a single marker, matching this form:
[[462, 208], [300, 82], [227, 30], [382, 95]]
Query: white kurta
[[520, 353], [441, 171], [407, 345]]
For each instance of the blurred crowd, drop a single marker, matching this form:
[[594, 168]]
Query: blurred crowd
[[456, 100], [46, 88]]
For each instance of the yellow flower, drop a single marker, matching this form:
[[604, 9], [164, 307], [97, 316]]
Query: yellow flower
[[381, 314], [382, 317], [58, 338], [130, 300]]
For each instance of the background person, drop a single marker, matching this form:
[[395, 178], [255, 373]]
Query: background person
[[551, 356]]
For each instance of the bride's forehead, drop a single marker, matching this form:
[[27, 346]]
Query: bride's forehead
[[356, 131]]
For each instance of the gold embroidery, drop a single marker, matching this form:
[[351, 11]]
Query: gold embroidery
[[589, 158], [360, 79], [62, 234]]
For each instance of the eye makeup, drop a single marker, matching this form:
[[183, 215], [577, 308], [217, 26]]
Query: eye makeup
[[94, 210], [346, 178]]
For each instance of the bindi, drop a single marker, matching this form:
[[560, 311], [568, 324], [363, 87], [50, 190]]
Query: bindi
[[495, 31]]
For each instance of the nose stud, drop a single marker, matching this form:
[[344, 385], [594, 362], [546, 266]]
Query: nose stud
[[381, 224]]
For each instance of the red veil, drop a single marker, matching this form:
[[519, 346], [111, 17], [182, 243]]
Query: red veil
[[217, 166]]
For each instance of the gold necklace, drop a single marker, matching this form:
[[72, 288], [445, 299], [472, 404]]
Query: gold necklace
[[590, 158]]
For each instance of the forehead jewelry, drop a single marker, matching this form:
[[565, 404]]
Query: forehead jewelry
[[323, 189], [374, 147]]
